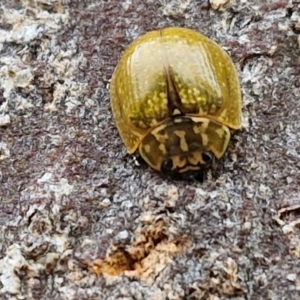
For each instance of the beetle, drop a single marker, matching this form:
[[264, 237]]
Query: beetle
[[175, 96]]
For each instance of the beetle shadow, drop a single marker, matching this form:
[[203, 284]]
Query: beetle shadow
[[199, 176], [211, 173]]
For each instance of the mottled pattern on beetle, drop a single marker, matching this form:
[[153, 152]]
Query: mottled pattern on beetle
[[151, 111], [190, 134], [183, 139], [195, 100]]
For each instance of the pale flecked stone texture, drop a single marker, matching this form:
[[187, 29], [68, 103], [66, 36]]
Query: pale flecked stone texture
[[72, 202]]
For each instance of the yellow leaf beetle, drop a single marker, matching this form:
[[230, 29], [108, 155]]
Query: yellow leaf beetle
[[175, 95]]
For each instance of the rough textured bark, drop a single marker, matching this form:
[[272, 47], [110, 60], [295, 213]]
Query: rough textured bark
[[80, 220]]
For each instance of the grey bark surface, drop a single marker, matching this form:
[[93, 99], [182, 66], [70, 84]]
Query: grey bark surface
[[80, 220]]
